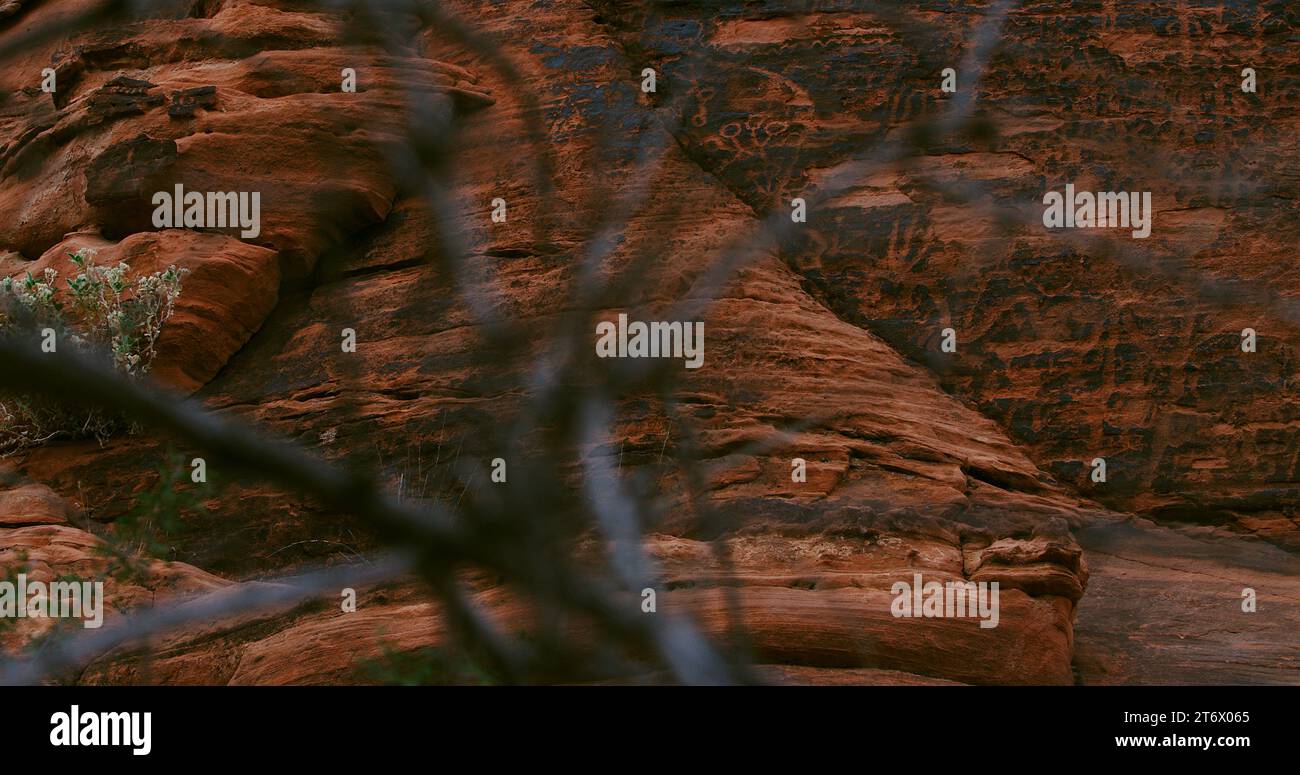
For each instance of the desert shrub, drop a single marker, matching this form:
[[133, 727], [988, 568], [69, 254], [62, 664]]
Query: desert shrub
[[103, 313], [429, 666], [150, 529]]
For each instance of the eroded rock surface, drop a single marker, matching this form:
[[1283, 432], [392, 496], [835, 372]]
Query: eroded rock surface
[[1079, 343], [39, 541], [963, 466]]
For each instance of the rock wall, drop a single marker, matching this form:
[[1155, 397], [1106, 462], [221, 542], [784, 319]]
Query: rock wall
[[970, 465]]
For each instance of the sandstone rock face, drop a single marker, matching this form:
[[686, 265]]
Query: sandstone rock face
[[230, 288], [37, 541], [965, 466], [1164, 606], [32, 504], [1080, 344], [317, 157]]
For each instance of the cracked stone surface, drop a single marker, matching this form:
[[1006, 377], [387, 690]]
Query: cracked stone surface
[[959, 466]]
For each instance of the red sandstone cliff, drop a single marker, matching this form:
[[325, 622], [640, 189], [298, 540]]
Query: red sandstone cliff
[[968, 465]]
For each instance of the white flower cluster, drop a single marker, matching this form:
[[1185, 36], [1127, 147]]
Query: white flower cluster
[[100, 309]]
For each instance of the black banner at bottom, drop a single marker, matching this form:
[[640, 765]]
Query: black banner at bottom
[[209, 725]]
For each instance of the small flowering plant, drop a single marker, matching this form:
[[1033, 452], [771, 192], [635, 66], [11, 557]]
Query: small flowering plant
[[101, 311]]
